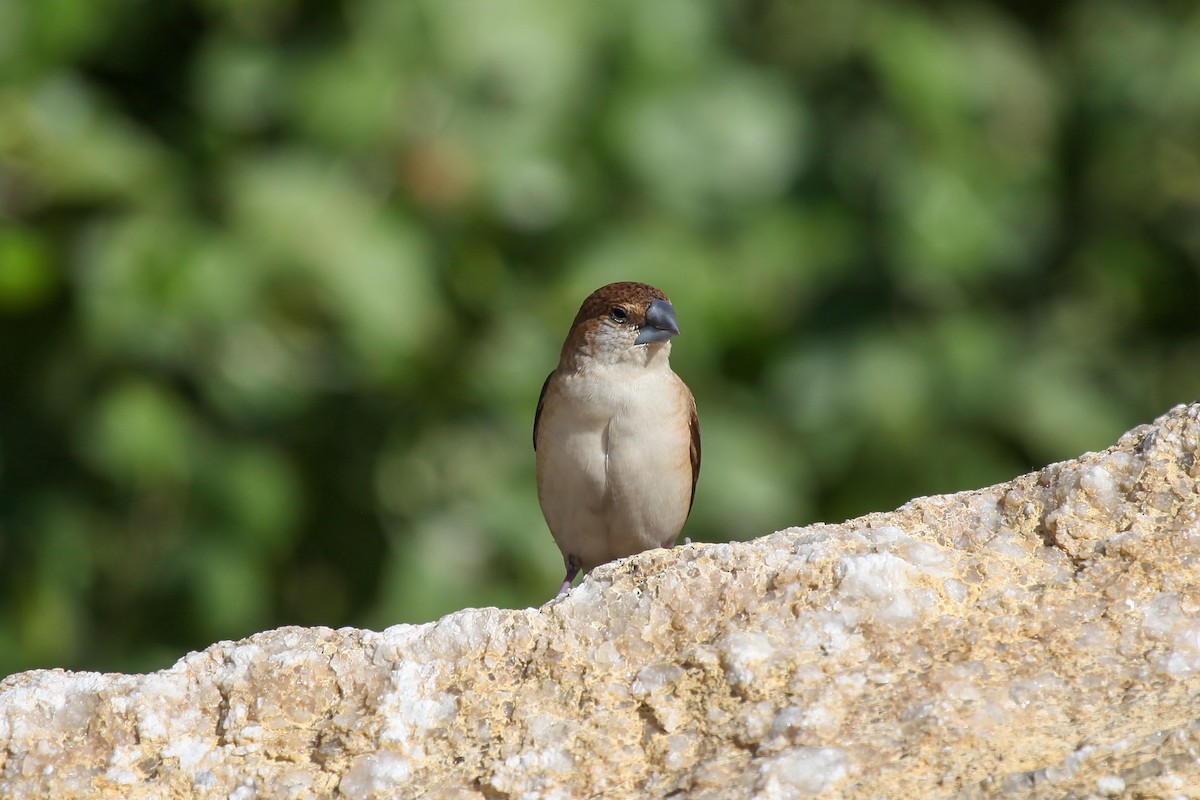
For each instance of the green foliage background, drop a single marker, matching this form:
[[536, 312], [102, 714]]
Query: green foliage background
[[280, 280]]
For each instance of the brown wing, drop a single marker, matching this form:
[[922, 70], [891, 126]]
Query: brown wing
[[538, 415], [694, 428]]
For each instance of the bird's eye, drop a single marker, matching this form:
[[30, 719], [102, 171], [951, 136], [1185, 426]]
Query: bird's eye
[[619, 315]]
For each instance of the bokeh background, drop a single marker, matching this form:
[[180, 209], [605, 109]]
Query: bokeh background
[[280, 279]]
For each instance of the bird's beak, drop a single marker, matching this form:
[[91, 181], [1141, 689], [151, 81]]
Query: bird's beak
[[660, 325]]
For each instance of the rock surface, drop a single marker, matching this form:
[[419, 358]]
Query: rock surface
[[1040, 638]]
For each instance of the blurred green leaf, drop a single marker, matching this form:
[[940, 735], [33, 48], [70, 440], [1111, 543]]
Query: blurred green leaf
[[27, 275], [327, 238], [733, 137], [142, 434]]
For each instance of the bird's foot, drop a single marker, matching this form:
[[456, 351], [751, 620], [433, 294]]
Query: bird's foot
[[572, 571]]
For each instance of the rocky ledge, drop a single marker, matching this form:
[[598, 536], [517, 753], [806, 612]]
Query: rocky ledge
[[1040, 638]]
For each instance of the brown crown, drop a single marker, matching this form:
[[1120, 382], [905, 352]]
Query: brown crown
[[627, 293]]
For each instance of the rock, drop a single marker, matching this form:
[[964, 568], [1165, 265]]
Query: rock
[[1040, 638]]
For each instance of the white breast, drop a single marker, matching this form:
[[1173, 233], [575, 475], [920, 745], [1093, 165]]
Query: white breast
[[613, 461]]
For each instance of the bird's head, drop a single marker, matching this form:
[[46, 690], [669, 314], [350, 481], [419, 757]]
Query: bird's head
[[622, 322]]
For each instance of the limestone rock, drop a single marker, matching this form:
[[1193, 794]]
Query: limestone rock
[[1040, 638]]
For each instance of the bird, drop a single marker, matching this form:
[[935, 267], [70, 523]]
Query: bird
[[616, 436]]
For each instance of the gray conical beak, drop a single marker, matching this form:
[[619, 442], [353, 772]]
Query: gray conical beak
[[660, 325]]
